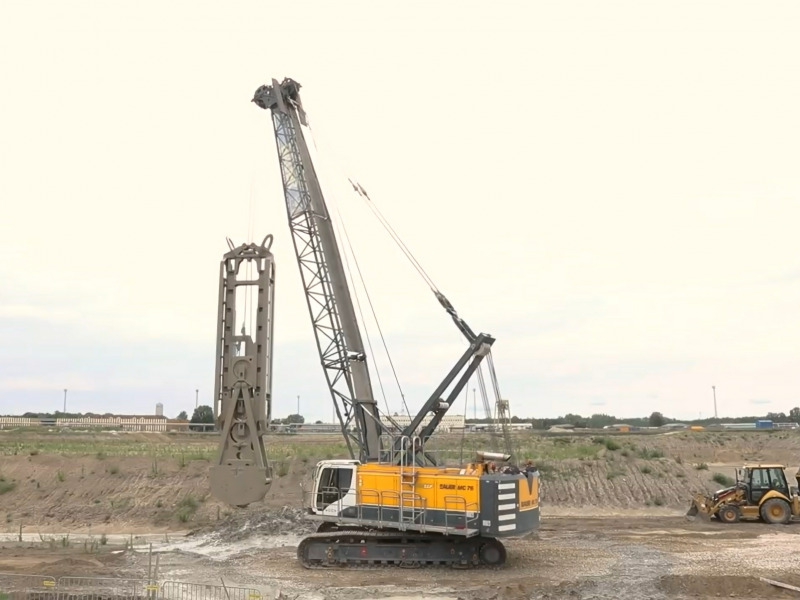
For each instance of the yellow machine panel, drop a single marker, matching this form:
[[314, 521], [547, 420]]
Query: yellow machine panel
[[431, 487], [529, 494]]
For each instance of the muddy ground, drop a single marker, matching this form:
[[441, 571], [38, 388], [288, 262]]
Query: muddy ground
[[579, 557], [611, 519]]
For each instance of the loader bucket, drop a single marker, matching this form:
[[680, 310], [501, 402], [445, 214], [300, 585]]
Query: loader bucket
[[700, 506]]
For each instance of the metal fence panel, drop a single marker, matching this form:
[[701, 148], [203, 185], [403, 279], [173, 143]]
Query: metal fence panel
[[176, 590], [41, 587], [24, 587], [100, 588]]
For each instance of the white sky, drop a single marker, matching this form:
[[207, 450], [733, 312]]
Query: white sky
[[609, 188]]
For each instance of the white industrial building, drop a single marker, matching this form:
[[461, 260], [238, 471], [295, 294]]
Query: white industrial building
[[447, 424]]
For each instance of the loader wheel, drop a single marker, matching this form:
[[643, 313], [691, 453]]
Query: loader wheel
[[729, 514], [776, 511]]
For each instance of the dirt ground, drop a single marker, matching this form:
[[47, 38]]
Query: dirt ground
[[612, 525], [580, 557]]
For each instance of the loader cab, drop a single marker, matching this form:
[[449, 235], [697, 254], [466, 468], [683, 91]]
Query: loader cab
[[758, 480], [334, 486]]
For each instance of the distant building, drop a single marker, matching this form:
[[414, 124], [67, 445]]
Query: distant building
[[448, 422], [9, 422], [177, 424], [124, 422], [316, 428], [498, 426], [562, 427], [159, 410], [738, 426], [621, 427]]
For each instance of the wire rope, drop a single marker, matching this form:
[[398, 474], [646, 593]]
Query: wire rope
[[341, 226], [375, 317]]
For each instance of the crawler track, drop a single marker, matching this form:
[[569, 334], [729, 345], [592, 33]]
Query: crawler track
[[371, 549]]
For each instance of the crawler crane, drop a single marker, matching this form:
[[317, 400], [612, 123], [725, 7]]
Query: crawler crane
[[390, 503]]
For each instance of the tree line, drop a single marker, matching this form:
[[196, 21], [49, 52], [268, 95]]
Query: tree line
[[655, 419], [205, 414]]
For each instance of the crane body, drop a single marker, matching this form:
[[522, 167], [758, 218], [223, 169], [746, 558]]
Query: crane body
[[390, 503]]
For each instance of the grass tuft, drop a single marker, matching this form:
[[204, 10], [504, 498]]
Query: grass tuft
[[650, 453], [723, 479]]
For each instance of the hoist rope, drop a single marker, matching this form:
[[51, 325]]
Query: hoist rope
[[371, 306], [493, 418], [249, 239], [383, 221], [393, 234], [377, 321], [464, 428], [247, 308], [340, 225]]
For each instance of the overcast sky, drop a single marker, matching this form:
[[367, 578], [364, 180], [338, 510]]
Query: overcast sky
[[609, 188]]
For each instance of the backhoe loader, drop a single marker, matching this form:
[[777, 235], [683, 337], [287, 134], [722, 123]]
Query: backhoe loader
[[760, 492]]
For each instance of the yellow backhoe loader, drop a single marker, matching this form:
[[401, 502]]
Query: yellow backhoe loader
[[761, 492]]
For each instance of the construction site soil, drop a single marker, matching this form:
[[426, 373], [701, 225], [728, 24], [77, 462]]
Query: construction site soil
[[92, 504]]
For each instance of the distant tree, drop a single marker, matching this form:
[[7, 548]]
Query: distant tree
[[295, 419], [202, 414], [317, 422], [794, 414], [574, 420], [656, 419], [776, 416], [182, 415], [598, 421]]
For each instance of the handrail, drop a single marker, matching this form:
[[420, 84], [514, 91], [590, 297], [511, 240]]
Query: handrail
[[461, 501]]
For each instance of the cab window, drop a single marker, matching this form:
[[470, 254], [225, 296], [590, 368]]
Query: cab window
[[778, 480], [760, 479], [334, 483]]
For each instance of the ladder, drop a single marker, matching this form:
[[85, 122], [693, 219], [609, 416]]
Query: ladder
[[410, 509]]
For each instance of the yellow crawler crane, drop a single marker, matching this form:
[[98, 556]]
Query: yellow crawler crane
[[391, 502], [410, 515], [761, 492]]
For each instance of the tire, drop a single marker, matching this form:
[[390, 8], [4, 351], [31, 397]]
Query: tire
[[776, 511], [729, 514]]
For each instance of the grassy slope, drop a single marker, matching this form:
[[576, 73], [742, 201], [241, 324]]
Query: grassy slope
[[144, 481]]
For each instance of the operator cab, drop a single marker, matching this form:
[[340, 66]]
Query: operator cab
[[758, 480], [334, 486]]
